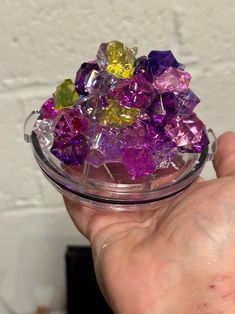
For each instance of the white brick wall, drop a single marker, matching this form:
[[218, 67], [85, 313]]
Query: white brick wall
[[43, 42]]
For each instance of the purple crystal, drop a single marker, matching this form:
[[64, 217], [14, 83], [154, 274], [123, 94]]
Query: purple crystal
[[187, 131], [159, 61], [187, 101], [157, 111], [136, 92], [158, 139], [138, 162], [87, 78], [163, 108], [70, 150], [172, 80], [48, 110], [70, 145], [142, 67]]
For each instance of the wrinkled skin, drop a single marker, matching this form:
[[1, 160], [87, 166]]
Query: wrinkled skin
[[179, 259]]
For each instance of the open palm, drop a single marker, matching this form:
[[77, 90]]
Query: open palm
[[178, 259]]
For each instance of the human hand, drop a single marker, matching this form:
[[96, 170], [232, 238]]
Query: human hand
[[176, 260]]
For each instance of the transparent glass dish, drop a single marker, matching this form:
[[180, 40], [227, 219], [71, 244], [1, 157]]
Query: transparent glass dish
[[109, 187]]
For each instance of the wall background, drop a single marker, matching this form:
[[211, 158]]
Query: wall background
[[44, 42]]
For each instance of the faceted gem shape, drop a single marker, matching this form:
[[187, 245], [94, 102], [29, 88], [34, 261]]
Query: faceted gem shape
[[136, 92], [163, 108], [120, 60], [93, 107], [95, 158], [70, 150], [187, 131], [65, 95], [118, 116], [87, 78], [138, 162], [70, 145], [172, 80], [159, 61], [45, 133], [134, 136], [108, 142], [187, 101], [70, 122], [102, 56], [198, 147], [142, 66], [48, 109], [157, 111]]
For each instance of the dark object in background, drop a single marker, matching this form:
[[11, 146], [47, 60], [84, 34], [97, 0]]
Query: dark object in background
[[83, 293]]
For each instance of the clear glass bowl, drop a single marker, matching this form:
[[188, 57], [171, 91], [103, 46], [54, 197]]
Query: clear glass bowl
[[109, 187]]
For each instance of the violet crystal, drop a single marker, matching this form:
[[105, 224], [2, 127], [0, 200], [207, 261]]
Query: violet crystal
[[159, 61], [87, 78]]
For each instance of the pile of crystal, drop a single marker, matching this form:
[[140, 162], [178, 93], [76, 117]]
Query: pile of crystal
[[123, 109]]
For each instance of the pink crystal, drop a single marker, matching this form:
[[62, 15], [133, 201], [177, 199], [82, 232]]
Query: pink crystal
[[48, 109], [172, 80], [186, 131]]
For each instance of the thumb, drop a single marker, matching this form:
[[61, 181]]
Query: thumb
[[224, 161]]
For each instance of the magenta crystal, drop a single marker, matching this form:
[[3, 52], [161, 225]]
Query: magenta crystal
[[70, 121], [48, 109], [138, 162], [172, 80], [187, 131], [136, 92], [70, 150], [70, 145]]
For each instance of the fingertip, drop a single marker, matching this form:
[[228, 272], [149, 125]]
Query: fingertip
[[224, 161]]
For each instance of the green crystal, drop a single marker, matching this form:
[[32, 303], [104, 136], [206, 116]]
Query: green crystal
[[65, 95], [118, 116]]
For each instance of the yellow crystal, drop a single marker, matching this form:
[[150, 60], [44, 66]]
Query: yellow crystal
[[118, 116], [120, 60], [65, 95]]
